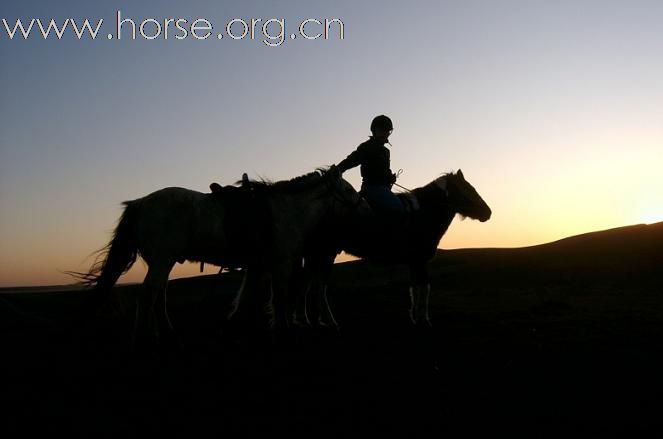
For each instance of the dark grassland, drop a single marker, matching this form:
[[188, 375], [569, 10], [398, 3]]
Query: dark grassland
[[547, 341]]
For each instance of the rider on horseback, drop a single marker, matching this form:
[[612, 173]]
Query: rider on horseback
[[377, 178]]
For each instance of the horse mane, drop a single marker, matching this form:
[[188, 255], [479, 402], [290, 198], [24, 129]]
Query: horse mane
[[296, 184], [429, 193]]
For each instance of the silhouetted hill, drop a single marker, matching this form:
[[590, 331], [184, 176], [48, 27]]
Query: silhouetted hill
[[631, 255]]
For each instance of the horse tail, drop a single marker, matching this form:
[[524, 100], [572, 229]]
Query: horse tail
[[117, 257]]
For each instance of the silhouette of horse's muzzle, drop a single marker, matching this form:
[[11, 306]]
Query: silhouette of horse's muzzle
[[485, 215]]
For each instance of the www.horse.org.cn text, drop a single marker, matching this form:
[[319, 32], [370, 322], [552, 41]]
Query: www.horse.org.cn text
[[273, 32]]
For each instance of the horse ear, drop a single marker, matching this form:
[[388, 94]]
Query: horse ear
[[460, 174]]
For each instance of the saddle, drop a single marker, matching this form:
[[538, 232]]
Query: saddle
[[247, 216], [387, 223]]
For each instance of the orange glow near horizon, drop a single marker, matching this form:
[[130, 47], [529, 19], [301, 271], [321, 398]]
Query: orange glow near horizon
[[537, 205], [462, 234]]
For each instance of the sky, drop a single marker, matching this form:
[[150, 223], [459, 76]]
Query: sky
[[553, 110]]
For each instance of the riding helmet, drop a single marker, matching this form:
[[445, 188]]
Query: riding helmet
[[383, 122]]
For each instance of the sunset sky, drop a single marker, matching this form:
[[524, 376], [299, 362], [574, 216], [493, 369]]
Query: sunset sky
[[552, 109]]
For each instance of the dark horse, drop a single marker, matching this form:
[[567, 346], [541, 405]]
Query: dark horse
[[262, 226], [412, 240]]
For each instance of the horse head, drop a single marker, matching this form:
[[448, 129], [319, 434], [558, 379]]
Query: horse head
[[462, 196]]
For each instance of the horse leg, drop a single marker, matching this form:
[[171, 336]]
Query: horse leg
[[164, 325], [301, 288], [419, 295], [280, 282], [325, 314], [423, 318], [300, 316], [414, 298], [251, 301], [326, 317], [419, 299], [146, 325], [234, 306]]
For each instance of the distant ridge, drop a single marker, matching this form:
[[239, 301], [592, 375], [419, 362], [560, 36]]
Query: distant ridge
[[627, 236], [636, 239], [631, 254]]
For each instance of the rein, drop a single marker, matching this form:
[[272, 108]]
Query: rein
[[398, 174], [402, 187]]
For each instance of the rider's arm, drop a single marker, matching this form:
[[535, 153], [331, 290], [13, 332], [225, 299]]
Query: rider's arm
[[355, 158]]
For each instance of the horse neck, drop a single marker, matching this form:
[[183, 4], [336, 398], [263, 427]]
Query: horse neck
[[436, 214]]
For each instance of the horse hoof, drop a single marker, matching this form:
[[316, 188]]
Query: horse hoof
[[333, 326], [300, 324], [421, 324], [425, 324]]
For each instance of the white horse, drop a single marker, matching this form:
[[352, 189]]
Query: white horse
[[262, 227], [410, 240]]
